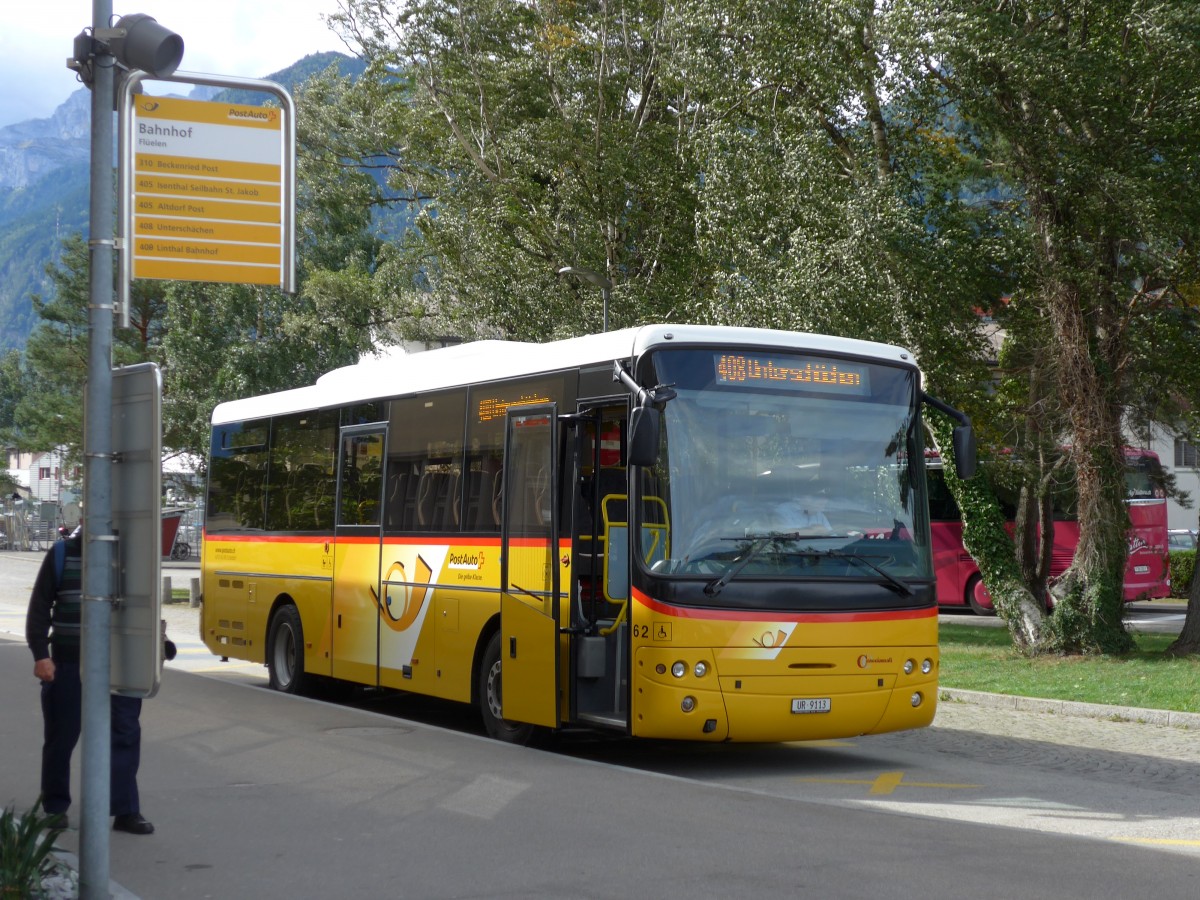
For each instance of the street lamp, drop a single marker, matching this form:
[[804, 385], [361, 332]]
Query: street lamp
[[595, 278]]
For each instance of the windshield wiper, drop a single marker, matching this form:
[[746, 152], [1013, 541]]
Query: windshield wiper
[[892, 581], [717, 585], [759, 541]]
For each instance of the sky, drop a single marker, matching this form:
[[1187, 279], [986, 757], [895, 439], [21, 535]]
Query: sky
[[248, 38]]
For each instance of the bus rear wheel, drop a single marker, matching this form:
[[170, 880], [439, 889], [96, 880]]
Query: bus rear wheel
[[489, 689], [285, 652], [978, 598]]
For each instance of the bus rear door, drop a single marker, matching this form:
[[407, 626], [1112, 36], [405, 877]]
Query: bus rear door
[[529, 568]]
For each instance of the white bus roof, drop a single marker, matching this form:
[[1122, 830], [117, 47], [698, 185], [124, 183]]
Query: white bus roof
[[394, 373]]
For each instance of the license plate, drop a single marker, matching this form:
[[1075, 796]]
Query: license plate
[[803, 705]]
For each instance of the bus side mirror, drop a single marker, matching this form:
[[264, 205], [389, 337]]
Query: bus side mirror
[[644, 425], [964, 451]]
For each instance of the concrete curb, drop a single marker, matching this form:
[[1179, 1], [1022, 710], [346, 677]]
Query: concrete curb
[[1073, 708]]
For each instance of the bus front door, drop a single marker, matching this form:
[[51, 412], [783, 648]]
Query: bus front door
[[356, 558], [529, 568], [600, 571]]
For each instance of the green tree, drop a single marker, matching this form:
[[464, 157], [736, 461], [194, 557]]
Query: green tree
[[1097, 139], [49, 410], [13, 386], [532, 136]]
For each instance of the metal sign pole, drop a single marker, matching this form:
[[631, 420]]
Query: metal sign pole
[[98, 538]]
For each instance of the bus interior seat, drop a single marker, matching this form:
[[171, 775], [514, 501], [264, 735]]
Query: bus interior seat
[[497, 500], [408, 504], [443, 514], [394, 515], [480, 489], [426, 493]]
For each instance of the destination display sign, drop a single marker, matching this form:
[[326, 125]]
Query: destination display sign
[[792, 372], [207, 191]]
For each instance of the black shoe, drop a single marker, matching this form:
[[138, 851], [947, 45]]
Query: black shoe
[[57, 822], [133, 823]]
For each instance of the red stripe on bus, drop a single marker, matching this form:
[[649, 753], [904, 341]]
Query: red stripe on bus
[[768, 615], [454, 541]]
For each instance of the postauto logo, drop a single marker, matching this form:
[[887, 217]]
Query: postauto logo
[[865, 661]]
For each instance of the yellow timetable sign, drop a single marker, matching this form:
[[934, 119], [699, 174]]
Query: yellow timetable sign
[[178, 207], [222, 272], [207, 191]]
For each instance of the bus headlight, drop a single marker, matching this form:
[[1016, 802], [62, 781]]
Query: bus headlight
[[909, 665], [701, 669], [926, 666], [688, 704], [917, 699], [679, 669]]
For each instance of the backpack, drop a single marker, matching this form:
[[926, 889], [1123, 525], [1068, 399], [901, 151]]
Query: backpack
[[60, 560]]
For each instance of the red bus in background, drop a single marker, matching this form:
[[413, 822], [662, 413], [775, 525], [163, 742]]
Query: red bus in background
[[1147, 573]]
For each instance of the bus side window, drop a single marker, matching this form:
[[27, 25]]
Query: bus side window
[[425, 447]]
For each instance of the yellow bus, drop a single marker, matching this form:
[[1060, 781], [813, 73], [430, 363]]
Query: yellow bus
[[672, 531]]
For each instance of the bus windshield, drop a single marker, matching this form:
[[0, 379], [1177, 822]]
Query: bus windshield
[[775, 465]]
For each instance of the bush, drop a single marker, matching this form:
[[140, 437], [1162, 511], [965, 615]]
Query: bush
[[1183, 563], [25, 848]]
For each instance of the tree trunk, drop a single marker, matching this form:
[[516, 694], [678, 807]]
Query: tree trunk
[[1089, 598], [1188, 642]]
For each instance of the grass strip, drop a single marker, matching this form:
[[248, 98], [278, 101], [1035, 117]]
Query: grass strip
[[983, 659]]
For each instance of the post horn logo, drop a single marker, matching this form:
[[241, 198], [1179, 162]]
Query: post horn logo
[[402, 600], [770, 640]]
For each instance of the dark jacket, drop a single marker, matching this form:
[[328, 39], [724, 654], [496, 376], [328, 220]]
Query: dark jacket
[[52, 623]]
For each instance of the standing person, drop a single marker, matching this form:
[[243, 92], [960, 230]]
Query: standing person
[[52, 631]]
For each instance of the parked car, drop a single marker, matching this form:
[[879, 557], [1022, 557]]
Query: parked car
[[1181, 539]]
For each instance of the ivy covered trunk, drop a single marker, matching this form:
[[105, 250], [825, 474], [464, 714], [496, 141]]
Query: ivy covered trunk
[[989, 544], [1089, 598]]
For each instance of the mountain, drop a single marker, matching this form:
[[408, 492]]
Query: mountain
[[44, 185]]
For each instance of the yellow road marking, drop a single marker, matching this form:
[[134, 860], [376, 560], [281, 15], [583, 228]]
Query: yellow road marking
[[887, 782], [1169, 842]]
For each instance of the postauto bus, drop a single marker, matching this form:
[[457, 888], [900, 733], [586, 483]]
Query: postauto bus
[[672, 531]]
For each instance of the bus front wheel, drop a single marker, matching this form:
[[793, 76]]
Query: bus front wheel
[[285, 652], [496, 725], [978, 597]]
